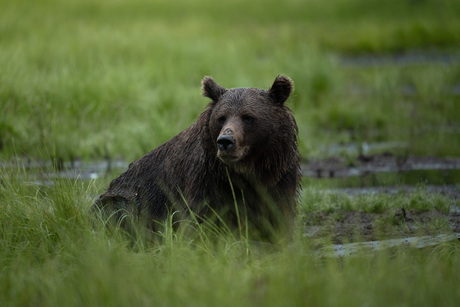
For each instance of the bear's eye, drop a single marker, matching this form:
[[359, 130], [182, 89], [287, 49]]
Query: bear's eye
[[222, 120], [247, 119]]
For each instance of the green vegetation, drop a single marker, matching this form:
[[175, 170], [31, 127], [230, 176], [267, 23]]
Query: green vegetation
[[92, 79], [96, 79], [52, 252], [420, 200]]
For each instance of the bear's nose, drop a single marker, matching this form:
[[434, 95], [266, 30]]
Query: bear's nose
[[225, 142]]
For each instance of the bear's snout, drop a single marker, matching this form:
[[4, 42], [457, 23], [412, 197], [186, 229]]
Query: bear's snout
[[225, 142]]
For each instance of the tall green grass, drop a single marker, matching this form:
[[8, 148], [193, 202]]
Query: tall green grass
[[316, 199], [53, 252], [88, 79], [93, 79]]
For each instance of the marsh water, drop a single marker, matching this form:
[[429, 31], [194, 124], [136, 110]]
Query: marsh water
[[350, 249], [367, 173]]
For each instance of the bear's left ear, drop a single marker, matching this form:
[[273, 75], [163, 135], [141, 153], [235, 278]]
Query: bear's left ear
[[281, 89], [211, 89]]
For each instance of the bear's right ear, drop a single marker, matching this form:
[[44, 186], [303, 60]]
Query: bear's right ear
[[211, 89], [281, 89]]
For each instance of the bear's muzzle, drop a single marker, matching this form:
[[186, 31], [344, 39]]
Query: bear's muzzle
[[225, 142]]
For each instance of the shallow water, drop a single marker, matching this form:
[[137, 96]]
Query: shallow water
[[384, 171], [45, 172], [350, 249], [380, 170], [436, 181]]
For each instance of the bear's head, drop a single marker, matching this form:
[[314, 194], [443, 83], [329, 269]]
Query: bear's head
[[249, 124]]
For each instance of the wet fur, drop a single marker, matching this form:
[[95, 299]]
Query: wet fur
[[265, 181]]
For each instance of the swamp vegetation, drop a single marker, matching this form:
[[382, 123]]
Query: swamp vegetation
[[84, 81]]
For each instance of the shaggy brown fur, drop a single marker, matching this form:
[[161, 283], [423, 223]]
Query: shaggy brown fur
[[242, 150]]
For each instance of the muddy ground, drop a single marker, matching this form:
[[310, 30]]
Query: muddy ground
[[343, 226]]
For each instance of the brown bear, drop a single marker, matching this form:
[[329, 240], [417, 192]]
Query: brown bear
[[238, 163]]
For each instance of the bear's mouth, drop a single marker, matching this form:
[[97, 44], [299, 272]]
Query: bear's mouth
[[234, 155], [226, 157]]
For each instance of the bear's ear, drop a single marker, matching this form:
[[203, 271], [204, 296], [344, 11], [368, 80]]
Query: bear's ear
[[211, 89], [281, 89]]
